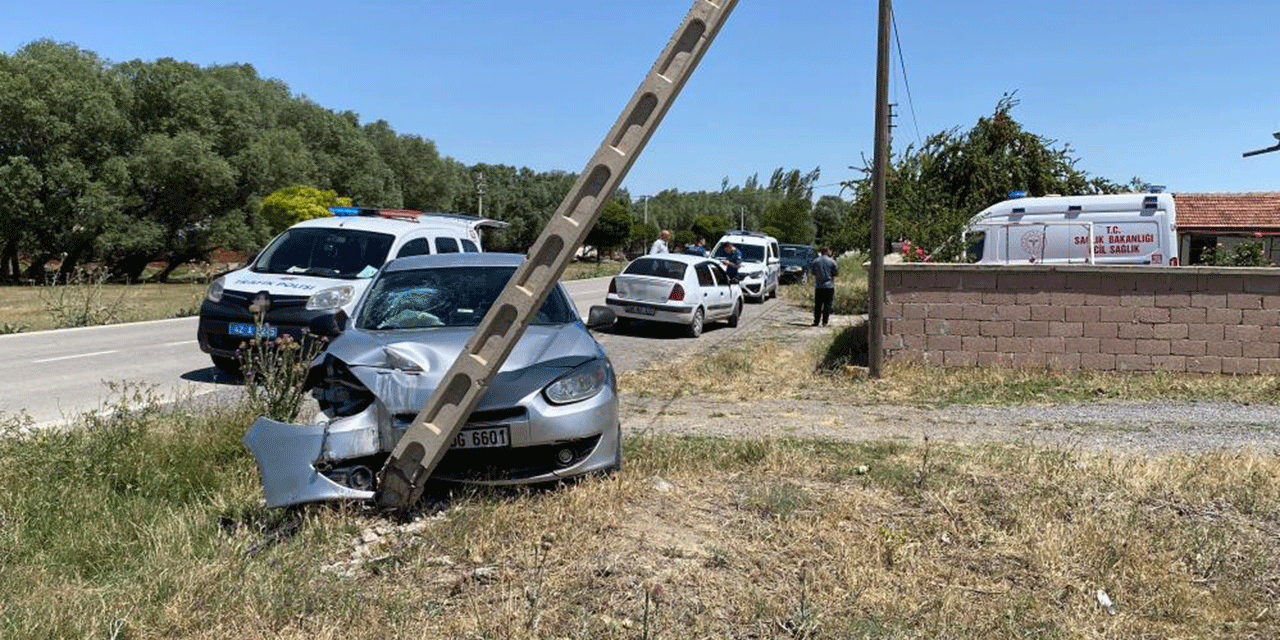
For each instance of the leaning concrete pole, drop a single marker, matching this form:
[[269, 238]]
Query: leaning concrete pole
[[402, 479]]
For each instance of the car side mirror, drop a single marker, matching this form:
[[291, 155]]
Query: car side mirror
[[328, 325], [599, 317]]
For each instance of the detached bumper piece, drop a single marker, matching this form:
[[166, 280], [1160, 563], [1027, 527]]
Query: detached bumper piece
[[287, 455]]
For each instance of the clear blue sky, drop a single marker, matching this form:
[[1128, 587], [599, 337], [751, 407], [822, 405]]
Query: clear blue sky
[[1171, 91]]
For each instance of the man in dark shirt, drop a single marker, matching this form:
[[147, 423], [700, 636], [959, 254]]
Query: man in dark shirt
[[731, 261], [697, 249], [824, 271]]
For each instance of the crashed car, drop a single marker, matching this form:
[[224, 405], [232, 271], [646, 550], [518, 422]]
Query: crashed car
[[551, 412]]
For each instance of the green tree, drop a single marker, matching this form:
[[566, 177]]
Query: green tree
[[288, 206], [611, 230], [933, 191]]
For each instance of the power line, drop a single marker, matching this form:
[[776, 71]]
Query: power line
[[902, 63]]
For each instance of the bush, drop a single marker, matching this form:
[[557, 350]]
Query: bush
[[275, 370], [81, 301]]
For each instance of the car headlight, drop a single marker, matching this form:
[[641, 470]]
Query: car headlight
[[751, 274], [579, 384], [214, 292], [332, 298]]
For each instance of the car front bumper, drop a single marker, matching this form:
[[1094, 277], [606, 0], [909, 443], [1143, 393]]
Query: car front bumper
[[310, 463]]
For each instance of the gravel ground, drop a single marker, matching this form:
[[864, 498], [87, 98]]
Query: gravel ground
[[1136, 427]]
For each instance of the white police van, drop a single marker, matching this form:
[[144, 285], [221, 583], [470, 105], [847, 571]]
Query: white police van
[[319, 266], [761, 262]]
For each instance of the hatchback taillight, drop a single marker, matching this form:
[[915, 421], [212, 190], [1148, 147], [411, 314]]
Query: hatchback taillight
[[677, 293], [613, 285]]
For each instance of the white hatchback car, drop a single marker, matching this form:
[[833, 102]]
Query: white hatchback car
[[761, 262], [677, 289]]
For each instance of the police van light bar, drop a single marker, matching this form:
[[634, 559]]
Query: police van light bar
[[401, 214], [344, 211], [1017, 194]]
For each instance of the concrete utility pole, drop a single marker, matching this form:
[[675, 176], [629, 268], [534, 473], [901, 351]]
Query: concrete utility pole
[[402, 479], [480, 192], [875, 279]]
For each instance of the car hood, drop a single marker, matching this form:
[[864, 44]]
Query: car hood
[[402, 368]]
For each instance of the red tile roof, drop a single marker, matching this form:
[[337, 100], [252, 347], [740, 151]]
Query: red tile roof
[[1228, 211]]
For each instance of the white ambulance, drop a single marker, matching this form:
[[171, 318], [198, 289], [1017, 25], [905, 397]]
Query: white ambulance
[[320, 266], [1131, 228]]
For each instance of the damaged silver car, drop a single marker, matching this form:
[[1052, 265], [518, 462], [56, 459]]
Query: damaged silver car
[[551, 412]]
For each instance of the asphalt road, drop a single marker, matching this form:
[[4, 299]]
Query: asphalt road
[[54, 376]]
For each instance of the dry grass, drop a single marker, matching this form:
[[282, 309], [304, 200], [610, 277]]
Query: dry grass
[[590, 269], [696, 537], [731, 372], [23, 307]]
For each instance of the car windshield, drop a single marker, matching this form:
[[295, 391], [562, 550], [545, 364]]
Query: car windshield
[[332, 253], [657, 268], [447, 297], [750, 252], [796, 254]]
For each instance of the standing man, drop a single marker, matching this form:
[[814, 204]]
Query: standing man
[[660, 245], [731, 261], [824, 285]]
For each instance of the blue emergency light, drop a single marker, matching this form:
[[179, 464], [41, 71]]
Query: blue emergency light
[[344, 211], [1017, 194]]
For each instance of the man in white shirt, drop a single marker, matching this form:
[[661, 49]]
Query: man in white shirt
[[660, 245]]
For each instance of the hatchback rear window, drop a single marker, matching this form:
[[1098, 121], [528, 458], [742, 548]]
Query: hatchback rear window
[[657, 267]]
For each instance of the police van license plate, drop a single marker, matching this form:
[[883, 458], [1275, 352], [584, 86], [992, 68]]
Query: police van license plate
[[642, 311], [247, 330], [482, 438]]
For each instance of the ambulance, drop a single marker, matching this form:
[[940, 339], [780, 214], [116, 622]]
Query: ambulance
[[1131, 228], [318, 267]]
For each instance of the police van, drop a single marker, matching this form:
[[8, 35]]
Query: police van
[[319, 266], [1131, 228]]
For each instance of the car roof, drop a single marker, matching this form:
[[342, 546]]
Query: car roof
[[678, 257], [394, 226], [439, 260]]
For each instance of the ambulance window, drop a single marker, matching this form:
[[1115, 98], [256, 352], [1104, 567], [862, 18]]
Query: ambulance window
[[415, 247], [446, 245], [974, 243], [469, 246]]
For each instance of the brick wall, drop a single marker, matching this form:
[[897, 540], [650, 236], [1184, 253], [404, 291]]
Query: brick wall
[[1193, 319]]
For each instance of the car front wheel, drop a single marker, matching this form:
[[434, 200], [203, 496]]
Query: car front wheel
[[695, 325], [737, 314]]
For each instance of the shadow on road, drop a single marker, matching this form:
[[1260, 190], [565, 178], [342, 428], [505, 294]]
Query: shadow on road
[[213, 375]]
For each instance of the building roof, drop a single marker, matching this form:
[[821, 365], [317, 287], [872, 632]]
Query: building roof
[[1228, 211]]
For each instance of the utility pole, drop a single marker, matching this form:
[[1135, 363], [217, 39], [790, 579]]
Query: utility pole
[[480, 191], [875, 279]]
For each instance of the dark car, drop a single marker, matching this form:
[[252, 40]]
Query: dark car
[[795, 262]]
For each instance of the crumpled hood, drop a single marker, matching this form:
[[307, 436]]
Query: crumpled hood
[[402, 368]]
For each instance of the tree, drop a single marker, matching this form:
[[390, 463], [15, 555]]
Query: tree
[[611, 230], [291, 205], [933, 191]]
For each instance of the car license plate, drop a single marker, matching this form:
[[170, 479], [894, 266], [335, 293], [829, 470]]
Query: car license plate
[[642, 311], [482, 438], [247, 330]]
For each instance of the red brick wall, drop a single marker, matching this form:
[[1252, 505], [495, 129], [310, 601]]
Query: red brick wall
[[1193, 319]]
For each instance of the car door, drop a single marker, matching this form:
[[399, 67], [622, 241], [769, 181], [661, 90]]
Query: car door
[[774, 265], [713, 296], [727, 289]]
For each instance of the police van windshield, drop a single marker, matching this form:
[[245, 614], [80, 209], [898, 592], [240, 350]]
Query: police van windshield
[[750, 252], [330, 253]]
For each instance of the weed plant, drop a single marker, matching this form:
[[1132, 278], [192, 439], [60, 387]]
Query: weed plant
[[82, 301], [275, 370]]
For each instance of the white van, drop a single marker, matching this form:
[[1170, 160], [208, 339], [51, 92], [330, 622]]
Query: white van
[[761, 262], [320, 266], [1132, 228]]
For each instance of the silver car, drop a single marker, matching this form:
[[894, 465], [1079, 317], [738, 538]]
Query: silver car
[[551, 411]]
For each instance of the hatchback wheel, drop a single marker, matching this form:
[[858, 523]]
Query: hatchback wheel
[[695, 326], [737, 314]]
